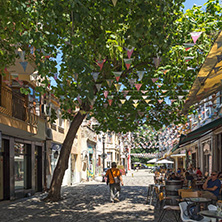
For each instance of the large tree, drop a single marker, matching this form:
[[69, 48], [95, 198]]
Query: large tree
[[95, 40]]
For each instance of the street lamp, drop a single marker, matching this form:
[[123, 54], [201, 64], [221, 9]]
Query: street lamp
[[104, 155]]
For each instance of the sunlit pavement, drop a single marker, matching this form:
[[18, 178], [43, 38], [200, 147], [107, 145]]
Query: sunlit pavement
[[88, 202]]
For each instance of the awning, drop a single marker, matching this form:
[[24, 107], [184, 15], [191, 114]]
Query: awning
[[198, 133], [209, 78]]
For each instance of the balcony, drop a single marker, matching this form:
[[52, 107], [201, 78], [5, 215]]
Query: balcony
[[14, 105]]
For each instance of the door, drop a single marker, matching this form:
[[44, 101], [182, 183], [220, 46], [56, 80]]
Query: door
[[38, 168], [4, 171]]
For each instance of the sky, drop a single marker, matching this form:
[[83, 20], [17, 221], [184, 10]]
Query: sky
[[189, 3]]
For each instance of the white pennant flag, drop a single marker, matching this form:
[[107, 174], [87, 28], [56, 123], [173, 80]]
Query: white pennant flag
[[144, 97], [140, 74], [95, 75]]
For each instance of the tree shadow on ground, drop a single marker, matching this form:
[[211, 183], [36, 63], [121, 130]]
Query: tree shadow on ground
[[82, 203]]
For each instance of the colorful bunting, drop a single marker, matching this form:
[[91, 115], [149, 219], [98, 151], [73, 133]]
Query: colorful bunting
[[159, 84], [188, 46], [144, 97], [125, 92], [122, 101], [24, 65], [120, 105], [140, 74], [109, 82], [131, 82], [160, 100], [105, 105], [144, 91], [128, 97], [141, 113], [138, 86], [117, 75], [154, 79], [147, 101], [95, 75], [190, 68], [180, 97], [110, 101], [129, 52], [82, 112], [135, 100], [98, 86], [164, 91], [135, 104], [128, 62], [114, 2], [156, 61], [195, 36], [105, 93], [100, 63], [110, 97], [117, 87]]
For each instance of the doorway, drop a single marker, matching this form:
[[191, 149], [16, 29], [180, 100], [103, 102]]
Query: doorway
[[4, 171], [38, 168]]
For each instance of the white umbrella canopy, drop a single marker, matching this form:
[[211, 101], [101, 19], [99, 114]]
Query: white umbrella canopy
[[164, 161], [152, 160]]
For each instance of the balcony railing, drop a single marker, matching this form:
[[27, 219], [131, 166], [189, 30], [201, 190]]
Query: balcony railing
[[15, 105]]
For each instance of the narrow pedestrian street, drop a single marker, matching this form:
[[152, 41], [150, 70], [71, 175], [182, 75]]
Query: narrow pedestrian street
[[88, 201]]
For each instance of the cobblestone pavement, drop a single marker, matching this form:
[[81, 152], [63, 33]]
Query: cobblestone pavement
[[88, 201]]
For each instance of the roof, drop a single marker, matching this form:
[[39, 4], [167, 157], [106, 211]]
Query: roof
[[198, 133]]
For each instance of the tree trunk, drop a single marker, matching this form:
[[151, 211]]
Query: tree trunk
[[56, 183]]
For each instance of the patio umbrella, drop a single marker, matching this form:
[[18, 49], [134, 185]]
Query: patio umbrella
[[164, 161], [152, 160]]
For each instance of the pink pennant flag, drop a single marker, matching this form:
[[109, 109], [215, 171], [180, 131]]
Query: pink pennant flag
[[154, 79], [160, 100], [172, 100], [91, 106], [105, 93], [110, 101], [138, 86], [125, 93], [130, 52], [100, 63], [144, 91], [117, 78], [127, 66], [195, 36]]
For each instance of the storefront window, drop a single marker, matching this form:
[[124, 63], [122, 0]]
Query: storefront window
[[19, 165]]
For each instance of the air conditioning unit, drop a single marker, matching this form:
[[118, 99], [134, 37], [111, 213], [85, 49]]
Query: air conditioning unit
[[49, 134]]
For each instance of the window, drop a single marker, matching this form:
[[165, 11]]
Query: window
[[22, 160]]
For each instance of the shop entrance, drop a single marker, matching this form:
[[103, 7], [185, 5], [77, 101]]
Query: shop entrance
[[4, 171], [38, 168]]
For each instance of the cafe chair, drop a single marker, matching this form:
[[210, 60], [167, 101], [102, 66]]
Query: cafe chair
[[168, 208], [184, 218]]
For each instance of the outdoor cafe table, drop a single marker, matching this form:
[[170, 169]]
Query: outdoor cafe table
[[211, 213], [199, 200]]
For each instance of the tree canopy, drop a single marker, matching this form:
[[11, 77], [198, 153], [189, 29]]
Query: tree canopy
[[128, 64]]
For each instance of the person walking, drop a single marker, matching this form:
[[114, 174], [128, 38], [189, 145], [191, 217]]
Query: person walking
[[115, 178]]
